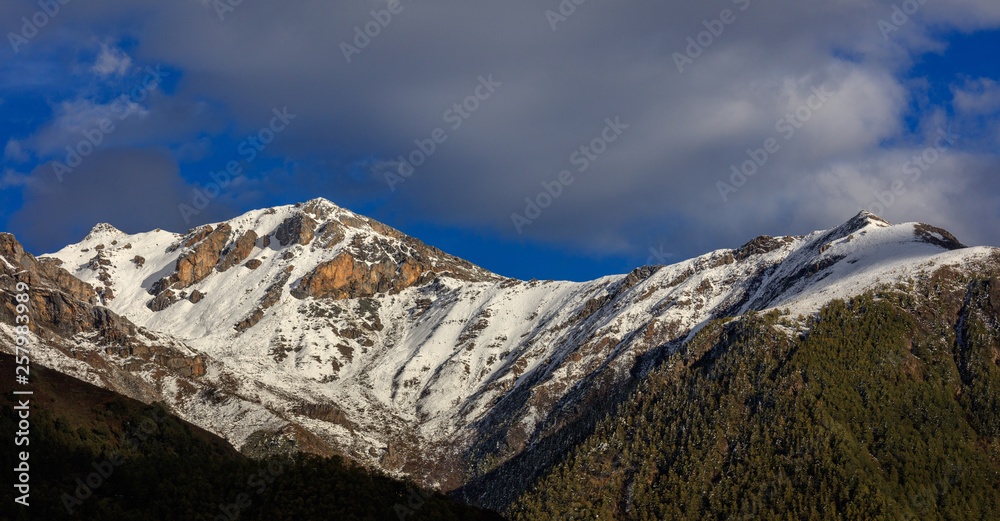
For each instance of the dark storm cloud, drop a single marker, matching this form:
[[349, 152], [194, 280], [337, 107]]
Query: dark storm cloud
[[135, 190], [605, 60]]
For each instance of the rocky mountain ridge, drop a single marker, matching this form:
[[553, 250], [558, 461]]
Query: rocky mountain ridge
[[317, 323]]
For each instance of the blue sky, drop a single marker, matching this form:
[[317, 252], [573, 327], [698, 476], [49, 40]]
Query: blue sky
[[507, 95]]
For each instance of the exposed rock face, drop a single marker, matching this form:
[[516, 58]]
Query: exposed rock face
[[759, 246], [250, 321], [369, 265], [197, 236], [117, 330], [270, 298], [185, 366], [937, 236], [239, 251], [62, 306], [327, 412], [99, 261], [196, 296], [299, 229], [344, 277], [38, 273], [162, 301], [193, 266], [392, 458], [73, 286], [635, 277], [330, 234], [253, 264], [197, 264]]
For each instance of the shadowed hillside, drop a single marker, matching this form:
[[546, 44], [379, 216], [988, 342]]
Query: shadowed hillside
[[154, 466]]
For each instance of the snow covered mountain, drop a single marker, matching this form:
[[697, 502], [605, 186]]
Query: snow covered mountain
[[318, 324]]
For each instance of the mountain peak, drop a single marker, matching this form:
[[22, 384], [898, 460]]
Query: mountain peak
[[320, 201], [104, 229], [866, 217]]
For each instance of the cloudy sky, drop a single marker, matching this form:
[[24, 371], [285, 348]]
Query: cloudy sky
[[536, 138]]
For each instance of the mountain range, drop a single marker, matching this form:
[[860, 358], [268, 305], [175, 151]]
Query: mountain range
[[312, 324]]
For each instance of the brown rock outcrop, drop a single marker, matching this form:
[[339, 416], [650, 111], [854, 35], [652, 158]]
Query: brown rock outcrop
[[197, 264], [271, 297], [330, 234], [162, 301], [239, 251], [344, 277], [193, 266], [298, 229], [197, 235], [184, 366], [250, 321], [759, 246], [325, 412], [253, 264], [36, 271], [937, 236], [66, 282], [62, 306]]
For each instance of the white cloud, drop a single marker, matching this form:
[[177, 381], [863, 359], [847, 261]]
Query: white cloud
[[111, 61], [10, 178], [14, 152], [977, 97], [686, 129], [72, 118]]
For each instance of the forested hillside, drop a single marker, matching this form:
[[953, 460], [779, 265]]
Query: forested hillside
[[882, 407]]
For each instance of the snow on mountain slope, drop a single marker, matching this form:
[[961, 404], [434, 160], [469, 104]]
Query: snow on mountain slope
[[398, 354]]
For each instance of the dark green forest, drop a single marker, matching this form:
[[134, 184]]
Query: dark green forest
[[883, 407], [160, 468]]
